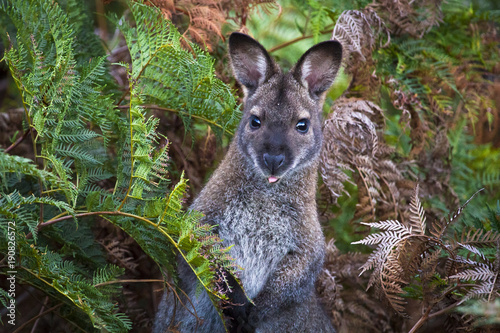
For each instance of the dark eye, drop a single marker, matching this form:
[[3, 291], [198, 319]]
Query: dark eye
[[302, 126], [254, 122]]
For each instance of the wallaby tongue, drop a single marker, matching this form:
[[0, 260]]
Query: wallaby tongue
[[272, 179]]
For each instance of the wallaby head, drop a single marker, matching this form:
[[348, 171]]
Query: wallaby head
[[280, 132]]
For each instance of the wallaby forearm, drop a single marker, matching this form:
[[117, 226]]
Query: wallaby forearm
[[297, 272]]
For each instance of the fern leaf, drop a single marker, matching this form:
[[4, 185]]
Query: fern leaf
[[477, 273], [417, 215], [438, 228], [170, 77], [480, 237], [388, 225]]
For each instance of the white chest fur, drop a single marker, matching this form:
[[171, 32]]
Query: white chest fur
[[261, 233]]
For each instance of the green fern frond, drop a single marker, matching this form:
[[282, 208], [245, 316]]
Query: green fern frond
[[166, 75], [15, 207], [320, 14], [51, 271]]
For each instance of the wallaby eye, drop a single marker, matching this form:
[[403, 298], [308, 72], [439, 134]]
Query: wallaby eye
[[254, 122], [302, 126]]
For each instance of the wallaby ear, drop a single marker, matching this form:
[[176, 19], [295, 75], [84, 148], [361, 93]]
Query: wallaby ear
[[251, 63], [317, 68]]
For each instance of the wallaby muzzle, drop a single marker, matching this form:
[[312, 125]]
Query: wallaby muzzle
[[273, 162]]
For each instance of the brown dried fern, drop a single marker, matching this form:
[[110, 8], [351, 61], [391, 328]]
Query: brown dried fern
[[417, 216], [341, 289], [206, 17], [357, 31], [406, 255], [409, 17], [438, 228], [353, 152], [484, 273]]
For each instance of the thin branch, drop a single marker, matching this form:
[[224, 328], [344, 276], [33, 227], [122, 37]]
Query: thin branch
[[19, 329], [18, 141], [123, 96], [128, 281], [421, 321], [446, 309], [156, 107], [298, 39], [33, 330]]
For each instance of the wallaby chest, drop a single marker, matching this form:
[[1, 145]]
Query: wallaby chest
[[262, 229]]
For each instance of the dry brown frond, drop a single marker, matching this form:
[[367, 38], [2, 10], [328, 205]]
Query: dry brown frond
[[341, 290], [409, 17], [357, 31], [354, 151], [480, 237], [406, 256], [206, 17], [480, 271], [120, 254], [417, 216]]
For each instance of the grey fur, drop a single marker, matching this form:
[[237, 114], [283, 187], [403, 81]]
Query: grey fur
[[274, 226]]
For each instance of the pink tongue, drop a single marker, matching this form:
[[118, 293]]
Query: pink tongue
[[272, 179]]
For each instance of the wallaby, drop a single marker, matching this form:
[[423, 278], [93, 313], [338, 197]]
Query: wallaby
[[262, 198]]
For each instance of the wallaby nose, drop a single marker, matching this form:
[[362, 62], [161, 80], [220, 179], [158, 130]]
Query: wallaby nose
[[273, 162]]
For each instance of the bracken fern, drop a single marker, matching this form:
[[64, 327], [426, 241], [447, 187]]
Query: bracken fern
[[92, 161]]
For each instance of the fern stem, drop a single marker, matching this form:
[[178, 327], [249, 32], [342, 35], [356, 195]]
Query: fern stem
[[367, 189], [128, 281], [393, 200], [18, 141], [156, 107], [35, 325], [421, 321], [327, 30], [157, 227], [493, 289], [446, 309], [123, 97], [193, 313], [67, 217], [52, 191], [19, 329]]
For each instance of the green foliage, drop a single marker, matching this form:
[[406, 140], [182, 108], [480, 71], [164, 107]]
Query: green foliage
[[92, 161], [165, 74]]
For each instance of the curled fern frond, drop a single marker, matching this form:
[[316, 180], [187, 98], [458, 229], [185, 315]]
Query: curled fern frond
[[352, 152], [358, 30]]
